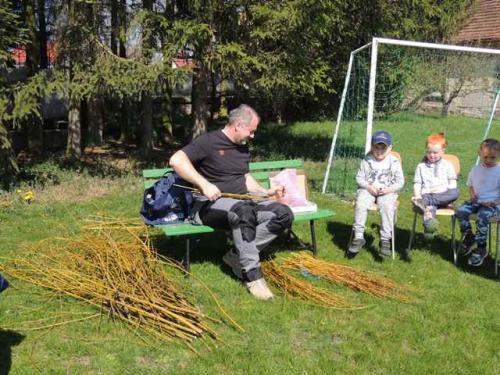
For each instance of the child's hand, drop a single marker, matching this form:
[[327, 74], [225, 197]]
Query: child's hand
[[385, 190], [373, 190], [473, 196], [489, 204]]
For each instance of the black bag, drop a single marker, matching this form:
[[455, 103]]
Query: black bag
[[165, 203]]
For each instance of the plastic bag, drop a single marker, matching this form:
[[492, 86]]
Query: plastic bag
[[293, 196]]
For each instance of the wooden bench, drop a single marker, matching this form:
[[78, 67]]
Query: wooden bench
[[260, 171]]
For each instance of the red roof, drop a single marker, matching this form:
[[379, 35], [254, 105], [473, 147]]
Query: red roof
[[484, 25], [181, 63], [19, 54]]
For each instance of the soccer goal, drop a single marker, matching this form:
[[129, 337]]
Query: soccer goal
[[413, 89]]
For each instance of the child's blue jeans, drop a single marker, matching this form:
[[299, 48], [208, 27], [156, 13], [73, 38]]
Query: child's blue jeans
[[483, 215]]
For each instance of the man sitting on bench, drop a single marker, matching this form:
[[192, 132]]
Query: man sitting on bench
[[217, 162]]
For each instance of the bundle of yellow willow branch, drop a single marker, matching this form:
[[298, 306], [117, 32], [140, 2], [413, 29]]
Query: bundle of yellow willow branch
[[294, 287], [355, 279], [114, 270]]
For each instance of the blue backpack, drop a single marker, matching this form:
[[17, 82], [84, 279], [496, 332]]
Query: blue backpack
[[3, 284], [165, 203]]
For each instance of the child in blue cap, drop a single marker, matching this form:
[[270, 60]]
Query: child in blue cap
[[379, 178]]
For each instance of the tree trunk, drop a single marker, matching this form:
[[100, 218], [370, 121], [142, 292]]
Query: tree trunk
[[123, 28], [8, 165], [114, 27], [74, 146], [199, 96], [95, 122], [147, 126], [278, 111], [445, 109], [167, 134], [32, 50], [42, 35], [146, 131], [278, 104], [125, 133], [35, 137]]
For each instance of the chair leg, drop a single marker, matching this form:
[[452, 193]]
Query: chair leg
[[489, 239], [350, 241], [453, 242], [394, 220], [313, 238], [412, 234], [187, 260], [496, 252]]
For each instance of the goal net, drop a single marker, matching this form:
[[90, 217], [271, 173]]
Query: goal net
[[412, 90]]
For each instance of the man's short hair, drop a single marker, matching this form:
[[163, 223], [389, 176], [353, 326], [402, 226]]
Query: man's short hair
[[491, 144], [243, 115]]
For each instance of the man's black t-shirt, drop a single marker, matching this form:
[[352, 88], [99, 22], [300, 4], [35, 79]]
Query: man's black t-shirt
[[220, 161]]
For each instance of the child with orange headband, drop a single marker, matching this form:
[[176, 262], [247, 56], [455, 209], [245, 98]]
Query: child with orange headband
[[435, 182]]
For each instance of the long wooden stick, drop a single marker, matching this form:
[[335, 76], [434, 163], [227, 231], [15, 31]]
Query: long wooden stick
[[228, 195]]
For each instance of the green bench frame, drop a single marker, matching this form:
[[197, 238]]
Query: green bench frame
[[260, 171]]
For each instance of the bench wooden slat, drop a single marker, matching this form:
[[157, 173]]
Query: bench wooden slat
[[262, 176], [255, 166], [187, 229], [276, 164], [184, 229], [321, 213], [155, 173]]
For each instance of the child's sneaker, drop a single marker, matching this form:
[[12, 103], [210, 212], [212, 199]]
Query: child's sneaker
[[386, 248], [477, 257], [418, 202], [466, 243], [428, 214], [356, 245], [430, 226]]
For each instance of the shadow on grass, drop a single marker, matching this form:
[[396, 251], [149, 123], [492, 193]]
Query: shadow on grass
[[442, 246], [341, 234], [280, 142], [203, 248], [211, 248], [8, 339]]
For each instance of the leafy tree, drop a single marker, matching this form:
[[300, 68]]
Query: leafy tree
[[292, 41], [11, 35], [289, 54]]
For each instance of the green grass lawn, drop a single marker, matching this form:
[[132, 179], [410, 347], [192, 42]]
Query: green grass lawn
[[453, 327]]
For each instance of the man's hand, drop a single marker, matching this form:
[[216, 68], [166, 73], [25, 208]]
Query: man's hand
[[277, 192], [210, 191]]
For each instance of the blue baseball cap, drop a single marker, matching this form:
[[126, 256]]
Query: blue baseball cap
[[381, 136]]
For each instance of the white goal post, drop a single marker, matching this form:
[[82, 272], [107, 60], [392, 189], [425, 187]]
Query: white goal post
[[370, 104]]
